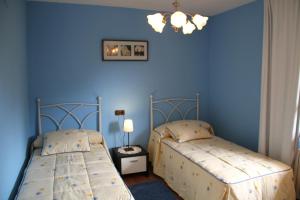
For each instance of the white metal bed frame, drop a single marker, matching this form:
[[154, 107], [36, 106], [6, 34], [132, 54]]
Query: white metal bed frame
[[69, 112], [175, 104]]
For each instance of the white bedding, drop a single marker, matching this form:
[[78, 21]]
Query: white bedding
[[70, 176], [218, 169]]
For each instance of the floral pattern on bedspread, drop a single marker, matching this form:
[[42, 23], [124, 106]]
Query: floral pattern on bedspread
[[78, 175], [227, 161], [218, 169]]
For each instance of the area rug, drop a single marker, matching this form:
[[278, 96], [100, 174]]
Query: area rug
[[152, 190]]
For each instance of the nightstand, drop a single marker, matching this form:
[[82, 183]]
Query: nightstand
[[131, 163]]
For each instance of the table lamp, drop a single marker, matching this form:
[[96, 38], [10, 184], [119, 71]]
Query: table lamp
[[128, 127]]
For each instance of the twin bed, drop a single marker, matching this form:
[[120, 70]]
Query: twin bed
[[76, 164], [71, 164], [205, 166]]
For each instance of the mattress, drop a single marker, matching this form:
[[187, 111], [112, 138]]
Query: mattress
[[77, 175], [218, 169]]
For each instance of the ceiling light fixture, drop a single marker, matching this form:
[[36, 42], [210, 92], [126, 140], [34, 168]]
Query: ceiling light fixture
[[178, 20]]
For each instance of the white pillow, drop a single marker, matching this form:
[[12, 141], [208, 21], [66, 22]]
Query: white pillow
[[65, 141], [161, 130], [95, 137], [186, 130]]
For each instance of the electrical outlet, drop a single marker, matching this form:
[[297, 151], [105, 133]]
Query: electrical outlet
[[119, 112]]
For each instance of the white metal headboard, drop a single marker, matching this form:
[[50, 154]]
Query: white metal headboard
[[175, 104], [69, 109]]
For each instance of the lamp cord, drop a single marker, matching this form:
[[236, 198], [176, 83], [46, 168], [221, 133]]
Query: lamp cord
[[121, 125], [123, 131]]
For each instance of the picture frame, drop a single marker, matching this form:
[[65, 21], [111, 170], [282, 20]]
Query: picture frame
[[124, 50]]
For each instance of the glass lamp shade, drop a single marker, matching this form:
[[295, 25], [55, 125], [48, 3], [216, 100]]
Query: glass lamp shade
[[188, 28], [128, 126], [199, 21], [178, 19], [157, 22]]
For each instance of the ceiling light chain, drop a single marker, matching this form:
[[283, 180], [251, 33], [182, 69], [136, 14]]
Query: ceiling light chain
[[178, 20]]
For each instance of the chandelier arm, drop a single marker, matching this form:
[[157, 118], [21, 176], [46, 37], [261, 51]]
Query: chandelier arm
[[166, 14], [191, 15]]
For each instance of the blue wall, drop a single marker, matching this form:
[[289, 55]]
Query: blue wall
[[223, 63], [235, 54], [65, 62], [14, 114]]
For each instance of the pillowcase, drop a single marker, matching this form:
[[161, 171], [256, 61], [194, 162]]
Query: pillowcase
[[186, 130], [94, 137], [161, 130], [38, 142], [65, 141]]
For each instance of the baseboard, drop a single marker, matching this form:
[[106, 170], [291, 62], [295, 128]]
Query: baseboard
[[21, 173]]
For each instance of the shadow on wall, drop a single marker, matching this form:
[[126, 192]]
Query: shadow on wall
[[114, 129], [21, 173], [141, 137]]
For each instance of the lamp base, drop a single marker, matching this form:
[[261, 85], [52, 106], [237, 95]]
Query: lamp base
[[128, 149]]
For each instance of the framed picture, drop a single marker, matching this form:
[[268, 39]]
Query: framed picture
[[124, 50]]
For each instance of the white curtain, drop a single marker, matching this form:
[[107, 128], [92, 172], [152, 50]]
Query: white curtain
[[280, 79]]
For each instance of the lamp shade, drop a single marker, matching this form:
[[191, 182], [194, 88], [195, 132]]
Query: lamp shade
[[128, 126], [178, 19], [157, 22], [188, 28], [200, 21]]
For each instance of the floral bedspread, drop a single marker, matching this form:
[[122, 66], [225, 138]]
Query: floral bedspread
[[218, 169], [77, 175]]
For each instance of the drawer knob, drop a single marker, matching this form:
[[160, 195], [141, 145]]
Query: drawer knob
[[133, 161]]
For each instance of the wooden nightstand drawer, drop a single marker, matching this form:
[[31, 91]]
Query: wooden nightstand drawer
[[133, 164]]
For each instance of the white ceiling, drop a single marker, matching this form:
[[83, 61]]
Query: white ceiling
[[204, 7]]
